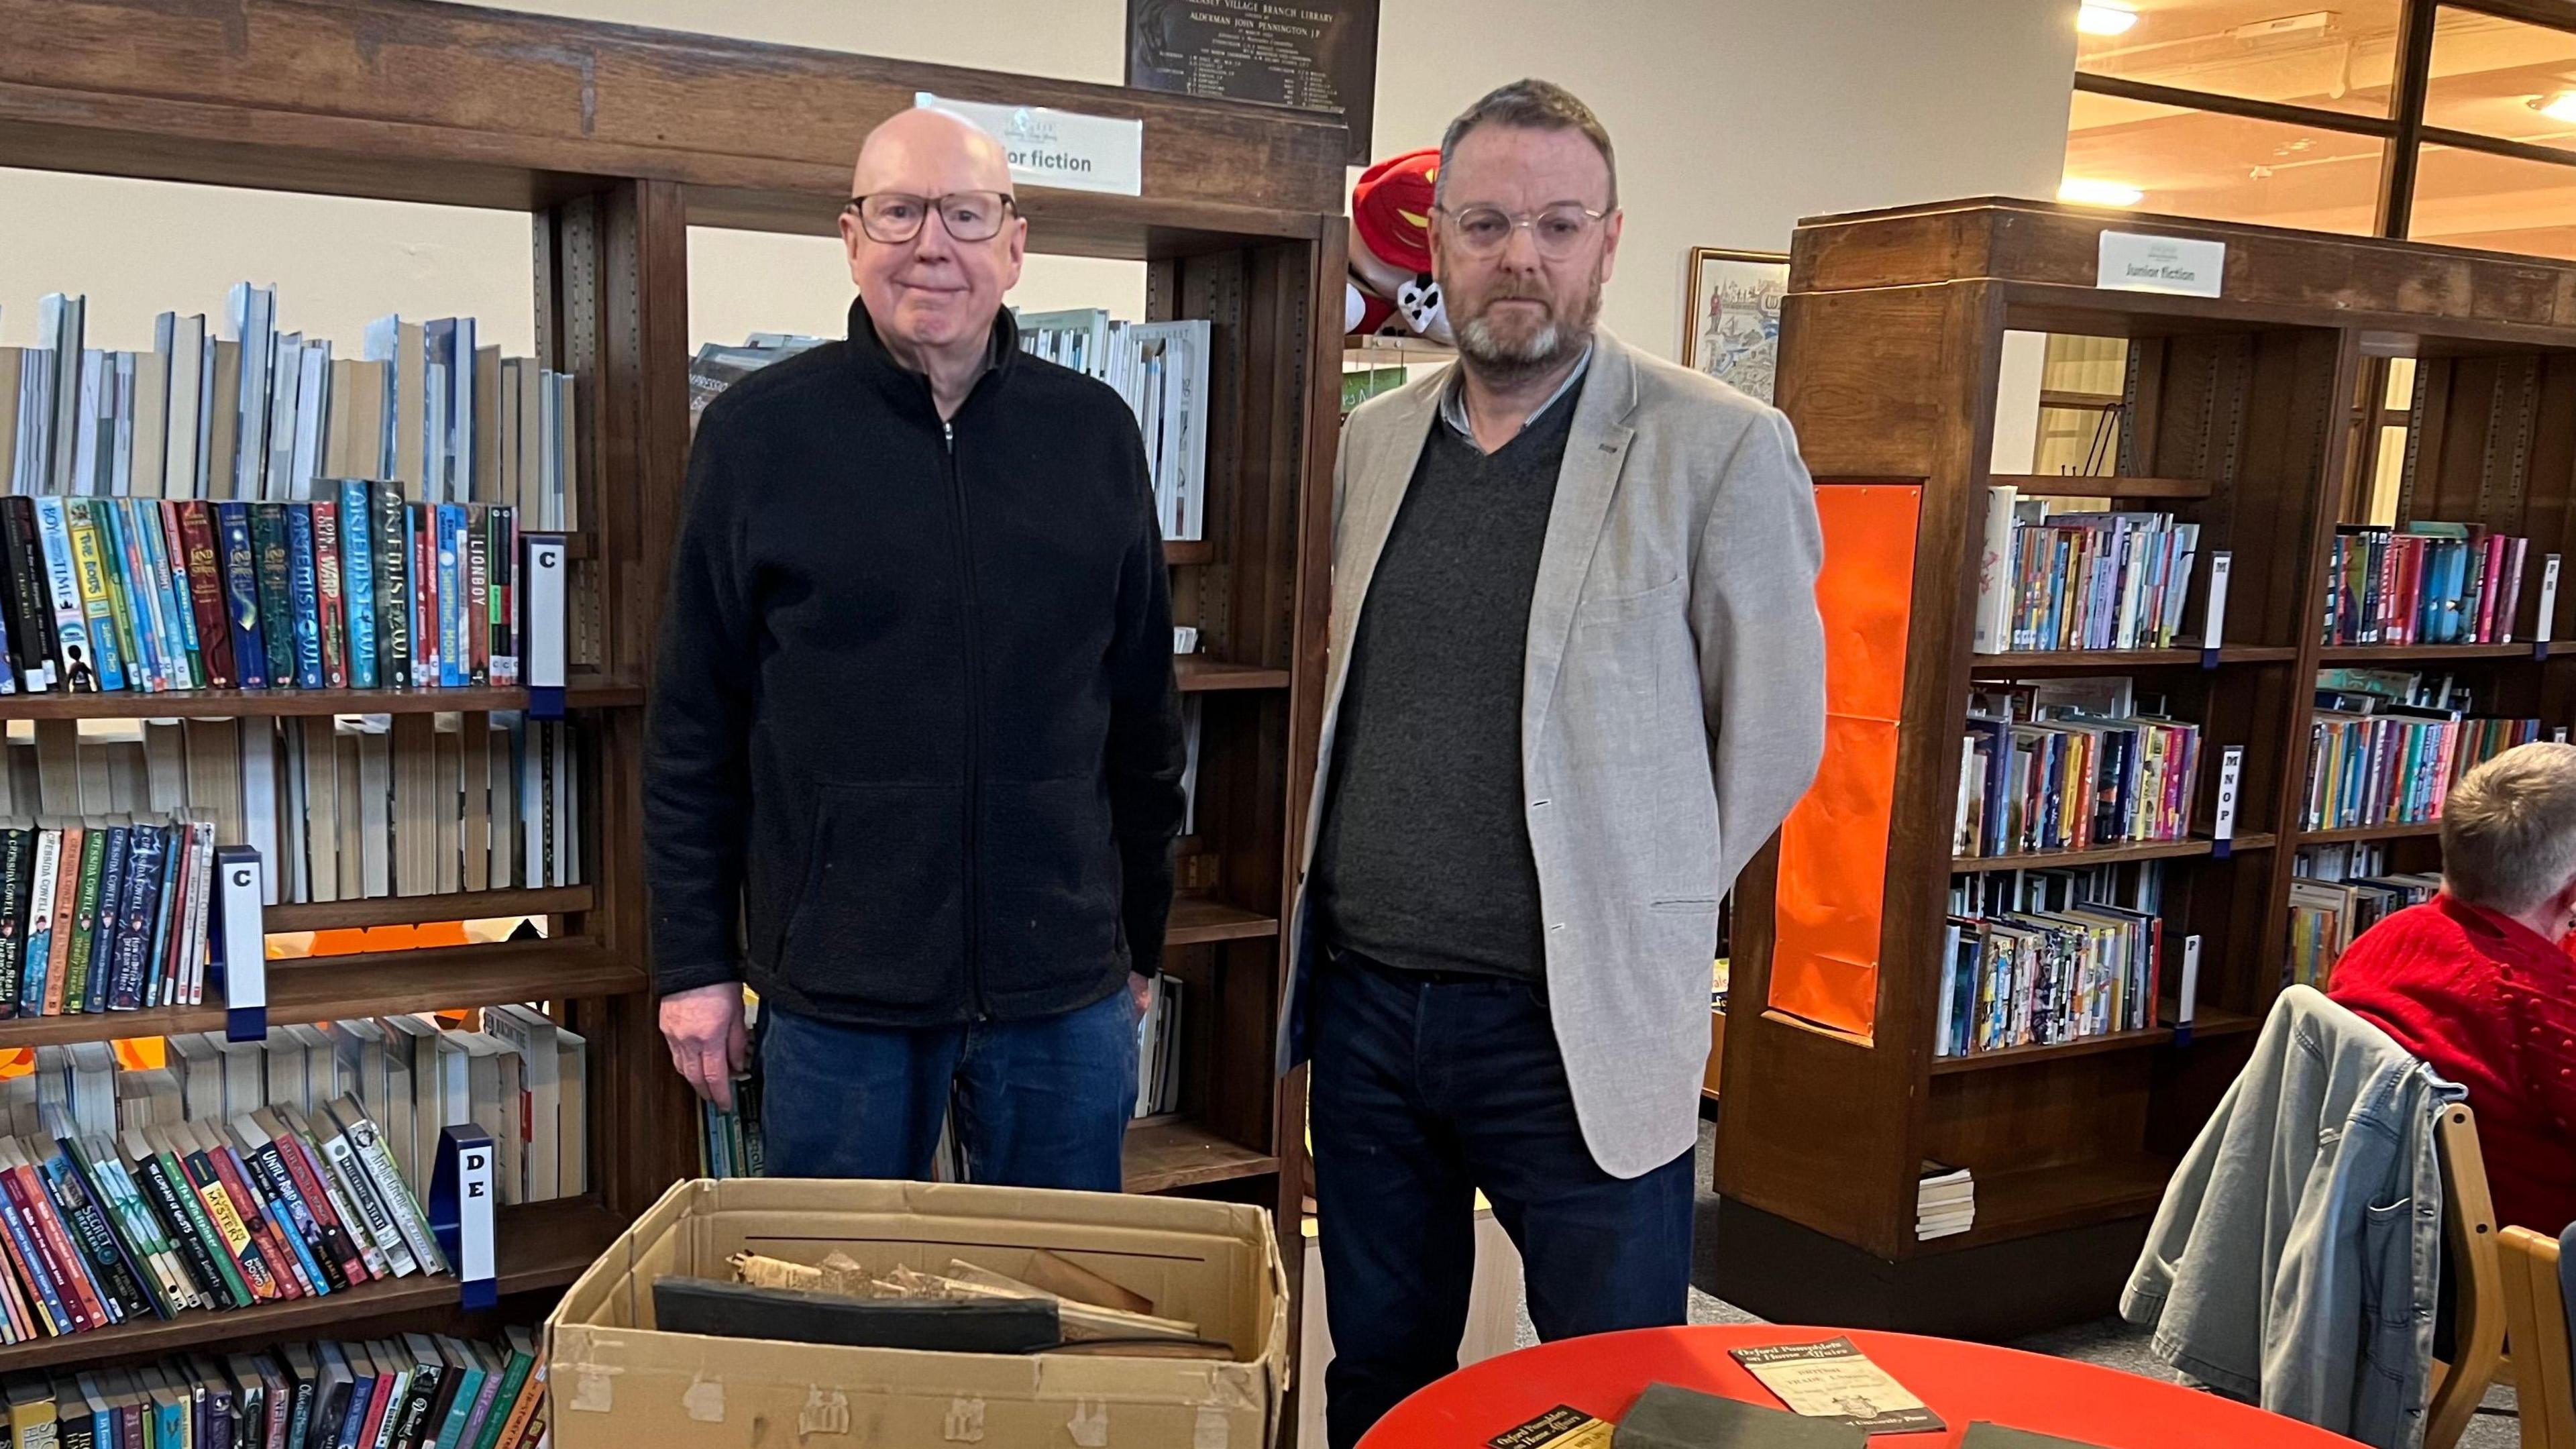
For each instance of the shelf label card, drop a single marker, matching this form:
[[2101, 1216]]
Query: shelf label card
[[2231, 767], [241, 942], [543, 653], [460, 1210], [2213, 627], [1064, 149], [2190, 991], [2546, 630], [2135, 262]]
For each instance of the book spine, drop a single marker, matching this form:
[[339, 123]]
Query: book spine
[[527, 1427], [62, 1260], [108, 924], [505, 1401], [393, 590], [359, 1186], [211, 619], [62, 588], [146, 861], [304, 593], [31, 625], [326, 1183], [413, 1416], [123, 572], [231, 1230], [93, 859], [420, 536], [160, 968], [179, 1284], [476, 630], [368, 1141], [91, 1235], [322, 1208], [505, 596], [453, 654], [34, 1264], [358, 580], [316, 1250], [268, 1227], [178, 564], [277, 616], [17, 859], [241, 594], [328, 592], [185, 1221], [138, 525], [89, 564]]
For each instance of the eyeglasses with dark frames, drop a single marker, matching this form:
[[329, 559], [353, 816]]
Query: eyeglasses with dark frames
[[1557, 231], [895, 217]]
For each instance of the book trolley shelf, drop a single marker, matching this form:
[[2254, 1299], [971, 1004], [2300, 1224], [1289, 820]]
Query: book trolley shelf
[[616, 140], [2240, 415]]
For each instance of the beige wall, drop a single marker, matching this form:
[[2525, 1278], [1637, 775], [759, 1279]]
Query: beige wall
[[1733, 119]]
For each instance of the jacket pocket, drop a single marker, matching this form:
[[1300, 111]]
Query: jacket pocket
[[1619, 608], [879, 921], [1051, 887]]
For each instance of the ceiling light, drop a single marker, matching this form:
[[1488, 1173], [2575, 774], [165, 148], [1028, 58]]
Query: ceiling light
[[2557, 106], [2096, 18], [2086, 191]]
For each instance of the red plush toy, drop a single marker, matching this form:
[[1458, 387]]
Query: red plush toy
[[1391, 290]]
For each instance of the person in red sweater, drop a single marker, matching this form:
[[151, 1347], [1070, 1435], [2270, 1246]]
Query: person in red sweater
[[2474, 983]]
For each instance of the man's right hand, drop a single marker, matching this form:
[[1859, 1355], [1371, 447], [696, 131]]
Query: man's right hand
[[704, 1028]]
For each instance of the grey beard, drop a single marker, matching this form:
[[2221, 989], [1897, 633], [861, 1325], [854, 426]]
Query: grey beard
[[1503, 364]]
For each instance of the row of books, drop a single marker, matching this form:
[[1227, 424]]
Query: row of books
[[729, 1142], [2338, 892], [2046, 957], [1161, 370], [416, 1391], [2081, 580], [339, 808], [510, 1070], [105, 916], [2424, 583], [251, 415], [360, 590], [2069, 765], [2374, 759], [273, 1206], [1158, 1048]]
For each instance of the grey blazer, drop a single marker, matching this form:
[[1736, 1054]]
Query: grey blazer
[[1672, 709]]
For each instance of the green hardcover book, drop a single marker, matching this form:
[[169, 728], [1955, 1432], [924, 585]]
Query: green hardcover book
[[276, 610], [84, 921], [218, 1248]]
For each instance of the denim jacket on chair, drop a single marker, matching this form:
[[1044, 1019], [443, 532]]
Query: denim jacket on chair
[[2296, 1258]]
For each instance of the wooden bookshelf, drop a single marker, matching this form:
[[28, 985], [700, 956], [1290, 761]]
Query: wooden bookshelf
[[2237, 413], [538, 1246], [581, 694], [614, 141], [2107, 854]]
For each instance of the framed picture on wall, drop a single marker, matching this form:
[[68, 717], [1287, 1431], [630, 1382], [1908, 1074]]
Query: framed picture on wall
[[1731, 320]]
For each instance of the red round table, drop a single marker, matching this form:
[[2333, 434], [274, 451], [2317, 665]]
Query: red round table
[[1602, 1375]]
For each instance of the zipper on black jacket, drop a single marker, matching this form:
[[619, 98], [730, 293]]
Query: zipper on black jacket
[[974, 737]]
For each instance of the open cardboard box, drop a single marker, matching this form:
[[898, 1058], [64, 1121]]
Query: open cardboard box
[[617, 1382]]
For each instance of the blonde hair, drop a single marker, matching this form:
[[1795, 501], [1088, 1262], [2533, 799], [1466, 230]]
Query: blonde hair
[[2509, 829]]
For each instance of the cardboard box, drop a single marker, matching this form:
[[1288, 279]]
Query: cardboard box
[[619, 1383]]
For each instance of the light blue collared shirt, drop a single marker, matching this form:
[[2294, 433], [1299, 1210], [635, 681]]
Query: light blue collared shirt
[[1453, 398]]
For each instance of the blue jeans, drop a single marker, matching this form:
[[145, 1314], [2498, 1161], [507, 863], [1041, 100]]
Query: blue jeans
[[1041, 1103], [1426, 1089]]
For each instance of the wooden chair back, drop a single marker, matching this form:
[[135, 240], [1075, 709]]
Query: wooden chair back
[[2477, 1282], [2535, 1317]]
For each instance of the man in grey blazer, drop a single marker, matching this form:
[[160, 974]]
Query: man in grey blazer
[[1577, 678]]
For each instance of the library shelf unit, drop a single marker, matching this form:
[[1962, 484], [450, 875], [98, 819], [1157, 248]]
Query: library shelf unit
[[2237, 413], [615, 140]]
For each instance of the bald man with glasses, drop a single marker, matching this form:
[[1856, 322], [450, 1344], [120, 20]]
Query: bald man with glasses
[[913, 762], [1576, 679]]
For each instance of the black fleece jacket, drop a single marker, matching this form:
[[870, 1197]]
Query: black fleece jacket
[[914, 719]]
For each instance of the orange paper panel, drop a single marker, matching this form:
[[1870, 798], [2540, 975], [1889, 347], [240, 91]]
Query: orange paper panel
[[1833, 848]]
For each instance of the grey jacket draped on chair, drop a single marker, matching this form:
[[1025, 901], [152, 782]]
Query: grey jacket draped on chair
[[2296, 1259]]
